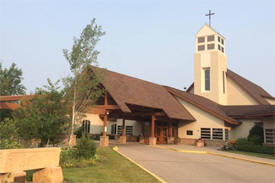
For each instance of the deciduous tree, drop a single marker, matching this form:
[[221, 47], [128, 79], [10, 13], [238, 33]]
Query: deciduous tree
[[83, 88]]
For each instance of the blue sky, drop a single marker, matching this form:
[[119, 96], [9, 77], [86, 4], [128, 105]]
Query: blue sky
[[148, 39]]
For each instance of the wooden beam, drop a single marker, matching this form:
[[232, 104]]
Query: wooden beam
[[107, 107]]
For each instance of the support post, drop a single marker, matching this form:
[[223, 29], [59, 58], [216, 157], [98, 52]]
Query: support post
[[104, 139], [170, 139], [152, 138], [122, 138]]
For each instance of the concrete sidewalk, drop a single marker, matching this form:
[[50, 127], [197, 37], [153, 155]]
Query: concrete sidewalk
[[175, 167], [214, 150]]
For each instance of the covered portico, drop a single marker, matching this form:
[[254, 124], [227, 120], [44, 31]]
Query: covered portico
[[157, 127]]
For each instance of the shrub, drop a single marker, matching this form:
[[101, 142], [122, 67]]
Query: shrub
[[68, 157], [243, 144], [10, 144], [86, 148], [256, 134]]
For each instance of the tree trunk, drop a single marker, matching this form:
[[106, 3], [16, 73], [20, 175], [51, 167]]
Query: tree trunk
[[73, 118]]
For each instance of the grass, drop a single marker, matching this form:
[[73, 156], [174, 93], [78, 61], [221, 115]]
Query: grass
[[253, 154], [112, 168]]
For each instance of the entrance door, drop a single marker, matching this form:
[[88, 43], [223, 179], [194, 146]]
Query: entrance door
[[162, 133]]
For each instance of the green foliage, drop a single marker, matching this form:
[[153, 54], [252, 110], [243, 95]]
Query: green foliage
[[243, 144], [10, 144], [8, 135], [10, 81], [68, 157], [86, 148], [5, 113], [43, 116], [8, 129], [256, 134]]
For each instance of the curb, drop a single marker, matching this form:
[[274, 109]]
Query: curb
[[143, 168], [216, 154], [243, 159]]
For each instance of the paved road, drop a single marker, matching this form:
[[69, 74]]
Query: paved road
[[176, 167]]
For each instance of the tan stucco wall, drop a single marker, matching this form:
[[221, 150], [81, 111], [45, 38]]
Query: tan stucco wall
[[237, 96], [203, 120], [242, 131]]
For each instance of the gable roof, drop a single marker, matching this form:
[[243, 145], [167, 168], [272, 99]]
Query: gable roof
[[255, 91], [202, 103], [129, 90]]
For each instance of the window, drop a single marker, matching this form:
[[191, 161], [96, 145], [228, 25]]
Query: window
[[222, 49], [219, 47], [210, 38], [217, 133], [113, 129], [189, 132], [207, 79], [222, 41], [129, 130], [211, 46], [223, 81], [201, 39], [86, 126], [119, 129], [201, 47], [270, 136], [205, 133], [219, 39], [226, 135]]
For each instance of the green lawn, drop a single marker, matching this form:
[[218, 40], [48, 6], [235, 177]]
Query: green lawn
[[113, 168], [253, 154]]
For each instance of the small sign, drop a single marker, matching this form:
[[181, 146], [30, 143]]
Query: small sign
[[105, 129]]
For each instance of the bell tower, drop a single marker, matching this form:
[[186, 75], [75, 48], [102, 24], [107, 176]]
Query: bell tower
[[210, 65]]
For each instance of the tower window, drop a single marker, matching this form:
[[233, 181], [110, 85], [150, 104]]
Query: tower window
[[219, 47], [210, 38], [201, 39], [223, 81], [201, 47], [219, 39], [222, 42], [222, 49], [210, 46], [207, 79]]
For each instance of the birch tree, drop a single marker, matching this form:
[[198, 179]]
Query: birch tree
[[83, 87]]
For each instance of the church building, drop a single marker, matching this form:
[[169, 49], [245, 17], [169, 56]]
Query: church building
[[220, 104]]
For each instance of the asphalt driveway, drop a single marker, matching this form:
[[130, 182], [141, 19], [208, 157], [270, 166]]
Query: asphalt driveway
[[176, 167]]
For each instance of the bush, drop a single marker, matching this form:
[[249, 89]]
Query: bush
[[86, 148], [243, 144], [68, 157], [10, 144], [256, 134]]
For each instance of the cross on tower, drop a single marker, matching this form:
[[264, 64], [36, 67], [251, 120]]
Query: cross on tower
[[209, 15]]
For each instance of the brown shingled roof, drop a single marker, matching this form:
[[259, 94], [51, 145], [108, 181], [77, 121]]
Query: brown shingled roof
[[202, 103], [129, 90], [255, 91], [247, 111]]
